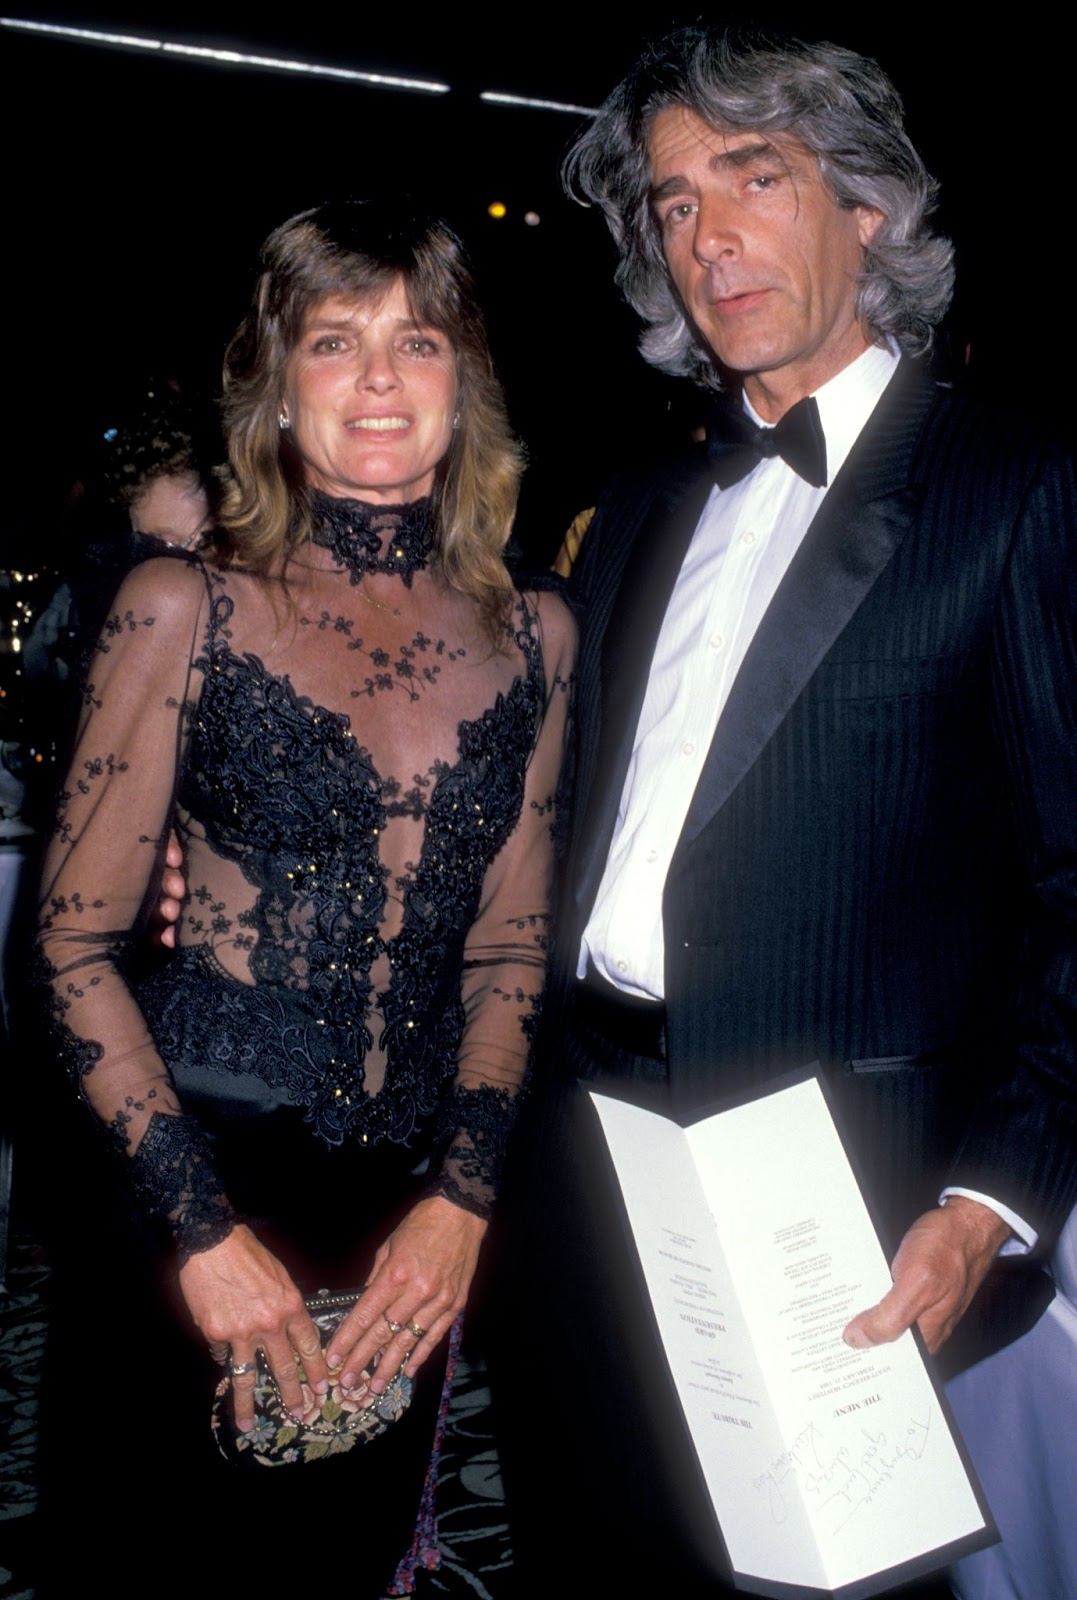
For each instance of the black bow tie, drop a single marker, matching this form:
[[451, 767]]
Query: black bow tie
[[736, 444]]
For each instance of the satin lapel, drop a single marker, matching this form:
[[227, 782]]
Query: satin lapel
[[860, 524], [628, 648]]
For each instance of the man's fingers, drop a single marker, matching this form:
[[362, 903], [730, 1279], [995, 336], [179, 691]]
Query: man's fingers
[[941, 1263], [173, 886], [882, 1323]]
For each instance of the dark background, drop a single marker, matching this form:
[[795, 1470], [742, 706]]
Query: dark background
[[139, 187]]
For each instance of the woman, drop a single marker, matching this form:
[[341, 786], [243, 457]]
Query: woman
[[355, 725]]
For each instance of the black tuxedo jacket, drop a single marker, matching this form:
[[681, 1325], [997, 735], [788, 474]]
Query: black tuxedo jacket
[[878, 870]]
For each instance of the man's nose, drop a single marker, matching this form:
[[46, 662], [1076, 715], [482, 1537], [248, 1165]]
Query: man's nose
[[716, 235]]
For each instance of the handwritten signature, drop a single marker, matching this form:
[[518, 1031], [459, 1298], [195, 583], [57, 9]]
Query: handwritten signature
[[840, 1481]]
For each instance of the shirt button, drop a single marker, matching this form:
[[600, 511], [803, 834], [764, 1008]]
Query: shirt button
[[716, 641], [622, 965], [687, 748], [747, 538], [652, 855]]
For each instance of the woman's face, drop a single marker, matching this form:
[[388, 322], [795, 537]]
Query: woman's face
[[174, 508], [370, 394]]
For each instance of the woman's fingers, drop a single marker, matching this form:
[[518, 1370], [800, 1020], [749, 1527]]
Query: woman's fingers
[[413, 1341], [284, 1365], [419, 1282], [244, 1370], [304, 1339], [242, 1298]]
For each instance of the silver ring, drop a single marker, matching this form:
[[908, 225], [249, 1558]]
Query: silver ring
[[394, 1327], [241, 1368]]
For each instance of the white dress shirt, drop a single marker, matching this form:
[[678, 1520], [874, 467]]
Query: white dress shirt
[[743, 544]]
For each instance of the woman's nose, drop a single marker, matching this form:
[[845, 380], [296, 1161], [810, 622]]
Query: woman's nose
[[377, 370]]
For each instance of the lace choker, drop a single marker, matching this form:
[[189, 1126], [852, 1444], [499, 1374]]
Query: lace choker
[[365, 538]]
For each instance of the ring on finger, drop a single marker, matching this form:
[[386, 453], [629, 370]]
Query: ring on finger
[[394, 1327], [240, 1369], [413, 1327]]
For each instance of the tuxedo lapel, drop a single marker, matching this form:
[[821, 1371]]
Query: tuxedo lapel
[[628, 646], [860, 524]]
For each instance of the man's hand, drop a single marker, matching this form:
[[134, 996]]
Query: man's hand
[[940, 1264], [171, 895]]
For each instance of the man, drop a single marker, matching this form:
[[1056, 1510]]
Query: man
[[827, 772]]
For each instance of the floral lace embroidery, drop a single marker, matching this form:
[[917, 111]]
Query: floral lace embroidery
[[310, 844], [356, 534], [173, 1173]]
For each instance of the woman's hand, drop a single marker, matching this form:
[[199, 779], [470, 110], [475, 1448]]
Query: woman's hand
[[420, 1280], [241, 1299]]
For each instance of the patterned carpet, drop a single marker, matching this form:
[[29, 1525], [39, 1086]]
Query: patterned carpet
[[473, 1530]]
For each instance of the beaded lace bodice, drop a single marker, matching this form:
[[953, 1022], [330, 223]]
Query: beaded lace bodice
[[365, 791]]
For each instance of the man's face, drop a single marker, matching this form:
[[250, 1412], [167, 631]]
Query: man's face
[[764, 258]]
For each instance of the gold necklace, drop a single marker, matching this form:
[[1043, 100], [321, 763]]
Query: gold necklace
[[394, 611], [311, 566]]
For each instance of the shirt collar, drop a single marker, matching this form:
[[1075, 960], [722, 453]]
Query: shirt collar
[[846, 402]]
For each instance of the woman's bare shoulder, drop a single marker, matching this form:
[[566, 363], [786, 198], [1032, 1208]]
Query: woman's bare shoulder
[[170, 591]]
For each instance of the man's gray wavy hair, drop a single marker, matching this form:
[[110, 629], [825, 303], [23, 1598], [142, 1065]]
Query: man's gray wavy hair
[[841, 106]]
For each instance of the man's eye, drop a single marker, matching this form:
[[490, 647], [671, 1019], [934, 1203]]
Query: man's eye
[[679, 213], [762, 182]]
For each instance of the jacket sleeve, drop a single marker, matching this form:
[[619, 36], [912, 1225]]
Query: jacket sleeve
[[1022, 1146]]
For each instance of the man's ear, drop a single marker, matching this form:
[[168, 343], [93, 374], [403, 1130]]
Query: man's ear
[[868, 223]]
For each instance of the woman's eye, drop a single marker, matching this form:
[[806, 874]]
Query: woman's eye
[[421, 344], [326, 344]]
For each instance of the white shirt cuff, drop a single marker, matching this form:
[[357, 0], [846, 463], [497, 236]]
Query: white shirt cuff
[[1024, 1238]]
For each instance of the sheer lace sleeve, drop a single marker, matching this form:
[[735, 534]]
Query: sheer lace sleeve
[[506, 950], [100, 868]]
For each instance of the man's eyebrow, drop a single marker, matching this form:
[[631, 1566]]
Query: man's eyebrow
[[741, 156], [745, 155]]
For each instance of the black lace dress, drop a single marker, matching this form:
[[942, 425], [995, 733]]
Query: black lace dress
[[366, 795]]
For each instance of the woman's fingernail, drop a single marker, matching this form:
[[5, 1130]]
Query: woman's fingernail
[[348, 1380], [322, 1386]]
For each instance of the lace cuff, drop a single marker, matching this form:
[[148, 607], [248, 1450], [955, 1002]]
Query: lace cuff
[[173, 1174], [473, 1130]]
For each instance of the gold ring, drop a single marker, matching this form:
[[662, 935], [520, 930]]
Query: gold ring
[[413, 1327]]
